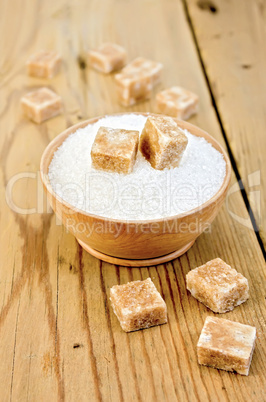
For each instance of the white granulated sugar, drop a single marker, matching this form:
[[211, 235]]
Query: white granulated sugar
[[146, 193]]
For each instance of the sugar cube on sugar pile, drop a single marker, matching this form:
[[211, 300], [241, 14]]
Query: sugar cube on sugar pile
[[136, 80], [44, 64], [138, 305], [177, 102], [41, 104], [218, 286], [162, 142], [115, 150], [226, 345], [107, 58]]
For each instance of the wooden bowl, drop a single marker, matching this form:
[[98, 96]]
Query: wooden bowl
[[134, 243]]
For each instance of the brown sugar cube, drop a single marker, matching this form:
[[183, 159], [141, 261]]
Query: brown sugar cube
[[107, 58], [136, 81], [162, 142], [115, 150], [41, 105], [177, 102], [218, 286], [226, 345], [44, 64], [138, 305]]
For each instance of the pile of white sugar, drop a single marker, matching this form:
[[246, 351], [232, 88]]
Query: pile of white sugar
[[146, 193]]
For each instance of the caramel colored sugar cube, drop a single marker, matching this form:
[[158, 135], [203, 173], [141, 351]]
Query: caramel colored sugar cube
[[41, 105], [138, 305], [136, 81], [218, 286], [162, 142], [115, 150], [177, 102], [226, 345], [107, 58], [44, 64]]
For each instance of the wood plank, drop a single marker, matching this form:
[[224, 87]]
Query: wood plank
[[36, 368], [61, 340], [231, 38]]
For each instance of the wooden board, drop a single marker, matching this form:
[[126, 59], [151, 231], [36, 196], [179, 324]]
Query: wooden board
[[231, 37], [59, 337]]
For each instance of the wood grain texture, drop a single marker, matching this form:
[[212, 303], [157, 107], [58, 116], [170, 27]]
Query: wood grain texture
[[231, 37], [59, 337]]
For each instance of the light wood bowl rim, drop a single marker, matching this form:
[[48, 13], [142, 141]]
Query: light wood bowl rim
[[60, 138]]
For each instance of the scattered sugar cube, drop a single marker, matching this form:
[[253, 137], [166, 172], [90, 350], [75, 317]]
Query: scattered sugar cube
[[177, 102], [218, 286], [41, 105], [162, 142], [136, 81], [138, 305], [226, 345], [115, 150], [44, 64], [107, 58]]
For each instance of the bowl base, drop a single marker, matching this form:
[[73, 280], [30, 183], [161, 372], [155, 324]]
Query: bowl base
[[135, 263]]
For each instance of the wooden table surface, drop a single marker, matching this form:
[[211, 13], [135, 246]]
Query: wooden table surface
[[59, 337]]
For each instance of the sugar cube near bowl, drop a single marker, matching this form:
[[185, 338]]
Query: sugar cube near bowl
[[136, 80], [177, 102], [226, 345], [115, 150], [218, 286], [107, 58], [138, 305], [44, 64], [162, 142], [41, 104]]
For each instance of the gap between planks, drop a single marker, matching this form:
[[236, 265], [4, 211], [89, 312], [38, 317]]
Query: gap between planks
[[229, 150]]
